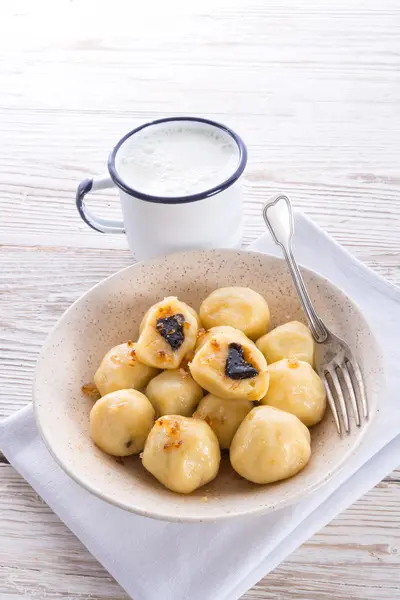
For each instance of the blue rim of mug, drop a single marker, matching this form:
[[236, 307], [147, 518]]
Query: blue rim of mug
[[179, 199]]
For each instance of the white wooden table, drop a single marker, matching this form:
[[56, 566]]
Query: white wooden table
[[313, 87]]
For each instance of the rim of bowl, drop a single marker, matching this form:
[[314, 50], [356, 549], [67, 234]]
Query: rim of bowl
[[173, 517]]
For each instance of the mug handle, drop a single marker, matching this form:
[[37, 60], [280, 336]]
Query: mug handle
[[96, 223]]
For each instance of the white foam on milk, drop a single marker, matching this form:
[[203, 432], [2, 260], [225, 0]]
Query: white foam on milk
[[178, 159]]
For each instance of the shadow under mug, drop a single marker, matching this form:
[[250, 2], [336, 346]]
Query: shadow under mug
[[157, 225]]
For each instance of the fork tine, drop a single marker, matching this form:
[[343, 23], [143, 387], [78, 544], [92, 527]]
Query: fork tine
[[356, 371], [339, 394], [350, 390], [332, 403]]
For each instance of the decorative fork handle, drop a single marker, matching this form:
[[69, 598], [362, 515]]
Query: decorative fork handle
[[278, 215]]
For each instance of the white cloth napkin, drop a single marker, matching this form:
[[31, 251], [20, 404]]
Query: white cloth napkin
[[153, 559]]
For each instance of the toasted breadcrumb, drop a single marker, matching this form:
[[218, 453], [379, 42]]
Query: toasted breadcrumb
[[183, 373], [293, 363], [90, 390]]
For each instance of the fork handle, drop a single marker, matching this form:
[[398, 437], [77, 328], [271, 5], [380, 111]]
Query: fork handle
[[278, 215]]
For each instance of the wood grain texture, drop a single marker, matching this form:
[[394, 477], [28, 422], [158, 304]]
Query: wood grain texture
[[314, 88], [38, 286], [366, 536]]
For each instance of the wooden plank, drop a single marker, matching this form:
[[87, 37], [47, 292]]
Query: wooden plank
[[356, 201], [38, 286], [40, 558], [314, 90], [394, 477], [320, 117]]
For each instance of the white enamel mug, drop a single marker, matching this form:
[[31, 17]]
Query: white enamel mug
[[157, 225]]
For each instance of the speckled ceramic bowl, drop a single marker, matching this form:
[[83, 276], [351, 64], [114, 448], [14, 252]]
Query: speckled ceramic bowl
[[110, 313]]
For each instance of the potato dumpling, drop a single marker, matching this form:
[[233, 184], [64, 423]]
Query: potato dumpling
[[231, 369], [182, 453], [291, 340], [223, 416], [120, 369], [238, 307], [174, 392], [270, 445], [204, 336], [189, 308], [168, 334], [297, 389], [121, 421]]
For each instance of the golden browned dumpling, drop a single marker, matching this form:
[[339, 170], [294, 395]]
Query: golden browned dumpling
[[239, 307], [121, 421], [234, 335], [231, 369], [182, 453], [168, 334], [189, 308], [120, 369], [223, 416], [297, 389], [291, 340], [174, 392], [270, 445]]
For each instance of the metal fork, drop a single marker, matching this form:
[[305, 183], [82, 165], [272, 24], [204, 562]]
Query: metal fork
[[334, 361]]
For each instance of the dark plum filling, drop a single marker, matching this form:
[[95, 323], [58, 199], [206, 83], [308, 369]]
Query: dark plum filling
[[171, 329], [236, 367]]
